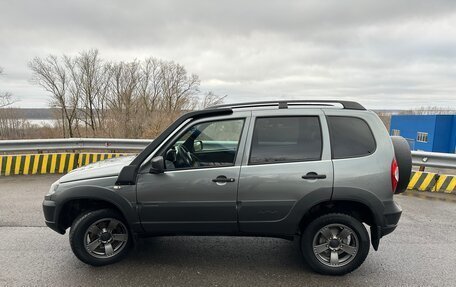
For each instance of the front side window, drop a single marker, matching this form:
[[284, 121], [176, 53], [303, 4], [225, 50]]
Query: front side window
[[286, 139], [350, 137], [209, 144]]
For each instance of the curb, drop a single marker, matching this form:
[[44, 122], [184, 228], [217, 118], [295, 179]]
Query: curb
[[433, 182]]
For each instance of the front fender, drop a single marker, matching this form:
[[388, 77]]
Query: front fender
[[124, 200]]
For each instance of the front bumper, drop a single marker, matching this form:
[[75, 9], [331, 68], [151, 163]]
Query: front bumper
[[49, 207]]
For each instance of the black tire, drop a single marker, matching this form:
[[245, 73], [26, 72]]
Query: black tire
[[311, 231], [404, 162], [78, 235]]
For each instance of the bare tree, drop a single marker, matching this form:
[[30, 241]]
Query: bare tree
[[178, 87], [123, 98], [6, 99], [166, 90], [74, 94], [12, 125], [92, 79], [210, 99], [150, 85], [128, 99], [51, 74]]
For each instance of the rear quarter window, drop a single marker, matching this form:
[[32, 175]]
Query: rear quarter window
[[350, 137]]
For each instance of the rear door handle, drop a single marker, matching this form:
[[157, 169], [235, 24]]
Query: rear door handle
[[222, 178], [314, 175]]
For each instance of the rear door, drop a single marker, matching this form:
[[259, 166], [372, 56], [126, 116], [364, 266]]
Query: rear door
[[286, 168]]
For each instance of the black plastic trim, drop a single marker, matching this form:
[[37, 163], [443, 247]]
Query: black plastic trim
[[349, 105], [49, 208]]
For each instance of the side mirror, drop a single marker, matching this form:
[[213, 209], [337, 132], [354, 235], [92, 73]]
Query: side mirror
[[157, 165], [197, 146]]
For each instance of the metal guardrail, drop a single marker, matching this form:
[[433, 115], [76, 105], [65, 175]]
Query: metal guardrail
[[433, 159], [73, 144], [419, 158]]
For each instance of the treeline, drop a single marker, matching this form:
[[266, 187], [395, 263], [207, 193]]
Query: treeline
[[94, 97], [12, 126]]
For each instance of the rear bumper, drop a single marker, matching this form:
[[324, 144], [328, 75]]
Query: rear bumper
[[49, 216], [391, 217]]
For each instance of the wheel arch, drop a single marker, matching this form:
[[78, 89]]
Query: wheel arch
[[356, 209], [72, 202], [359, 210], [72, 208]]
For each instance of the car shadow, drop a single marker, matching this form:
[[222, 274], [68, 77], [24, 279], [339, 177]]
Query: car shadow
[[233, 253]]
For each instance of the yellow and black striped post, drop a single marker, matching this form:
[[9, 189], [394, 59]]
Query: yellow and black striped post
[[428, 181], [422, 181], [37, 163], [48, 163], [446, 184]]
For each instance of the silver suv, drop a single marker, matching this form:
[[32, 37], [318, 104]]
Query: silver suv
[[313, 170]]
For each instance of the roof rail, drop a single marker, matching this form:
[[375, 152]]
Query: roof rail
[[349, 105]]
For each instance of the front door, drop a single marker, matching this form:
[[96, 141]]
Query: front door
[[198, 190]]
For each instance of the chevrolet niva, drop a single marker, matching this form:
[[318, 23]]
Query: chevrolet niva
[[317, 171]]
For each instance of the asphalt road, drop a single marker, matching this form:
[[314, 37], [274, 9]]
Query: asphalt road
[[421, 252]]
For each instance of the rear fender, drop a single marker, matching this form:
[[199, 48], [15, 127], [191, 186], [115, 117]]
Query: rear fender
[[371, 201]]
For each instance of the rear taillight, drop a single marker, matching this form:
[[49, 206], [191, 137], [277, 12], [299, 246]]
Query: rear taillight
[[394, 175]]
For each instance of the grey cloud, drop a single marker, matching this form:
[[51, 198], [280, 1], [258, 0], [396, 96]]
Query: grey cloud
[[386, 54]]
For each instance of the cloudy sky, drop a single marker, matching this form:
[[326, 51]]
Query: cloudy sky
[[385, 54]]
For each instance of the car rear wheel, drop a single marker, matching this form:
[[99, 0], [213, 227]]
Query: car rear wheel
[[100, 237], [335, 244]]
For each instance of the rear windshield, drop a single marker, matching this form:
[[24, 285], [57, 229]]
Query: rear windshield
[[350, 137]]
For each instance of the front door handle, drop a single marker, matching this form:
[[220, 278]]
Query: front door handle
[[314, 175], [222, 179]]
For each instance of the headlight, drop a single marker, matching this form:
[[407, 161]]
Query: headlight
[[53, 188]]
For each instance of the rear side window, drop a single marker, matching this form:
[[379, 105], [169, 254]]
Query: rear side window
[[286, 139], [350, 137]]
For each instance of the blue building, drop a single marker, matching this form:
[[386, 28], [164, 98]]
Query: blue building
[[436, 133]]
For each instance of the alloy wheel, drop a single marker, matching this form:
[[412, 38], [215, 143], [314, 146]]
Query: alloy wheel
[[105, 238], [335, 245]]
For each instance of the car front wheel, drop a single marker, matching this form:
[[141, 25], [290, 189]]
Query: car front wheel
[[100, 237], [335, 244]]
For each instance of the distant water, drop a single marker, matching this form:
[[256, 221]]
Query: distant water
[[42, 122]]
